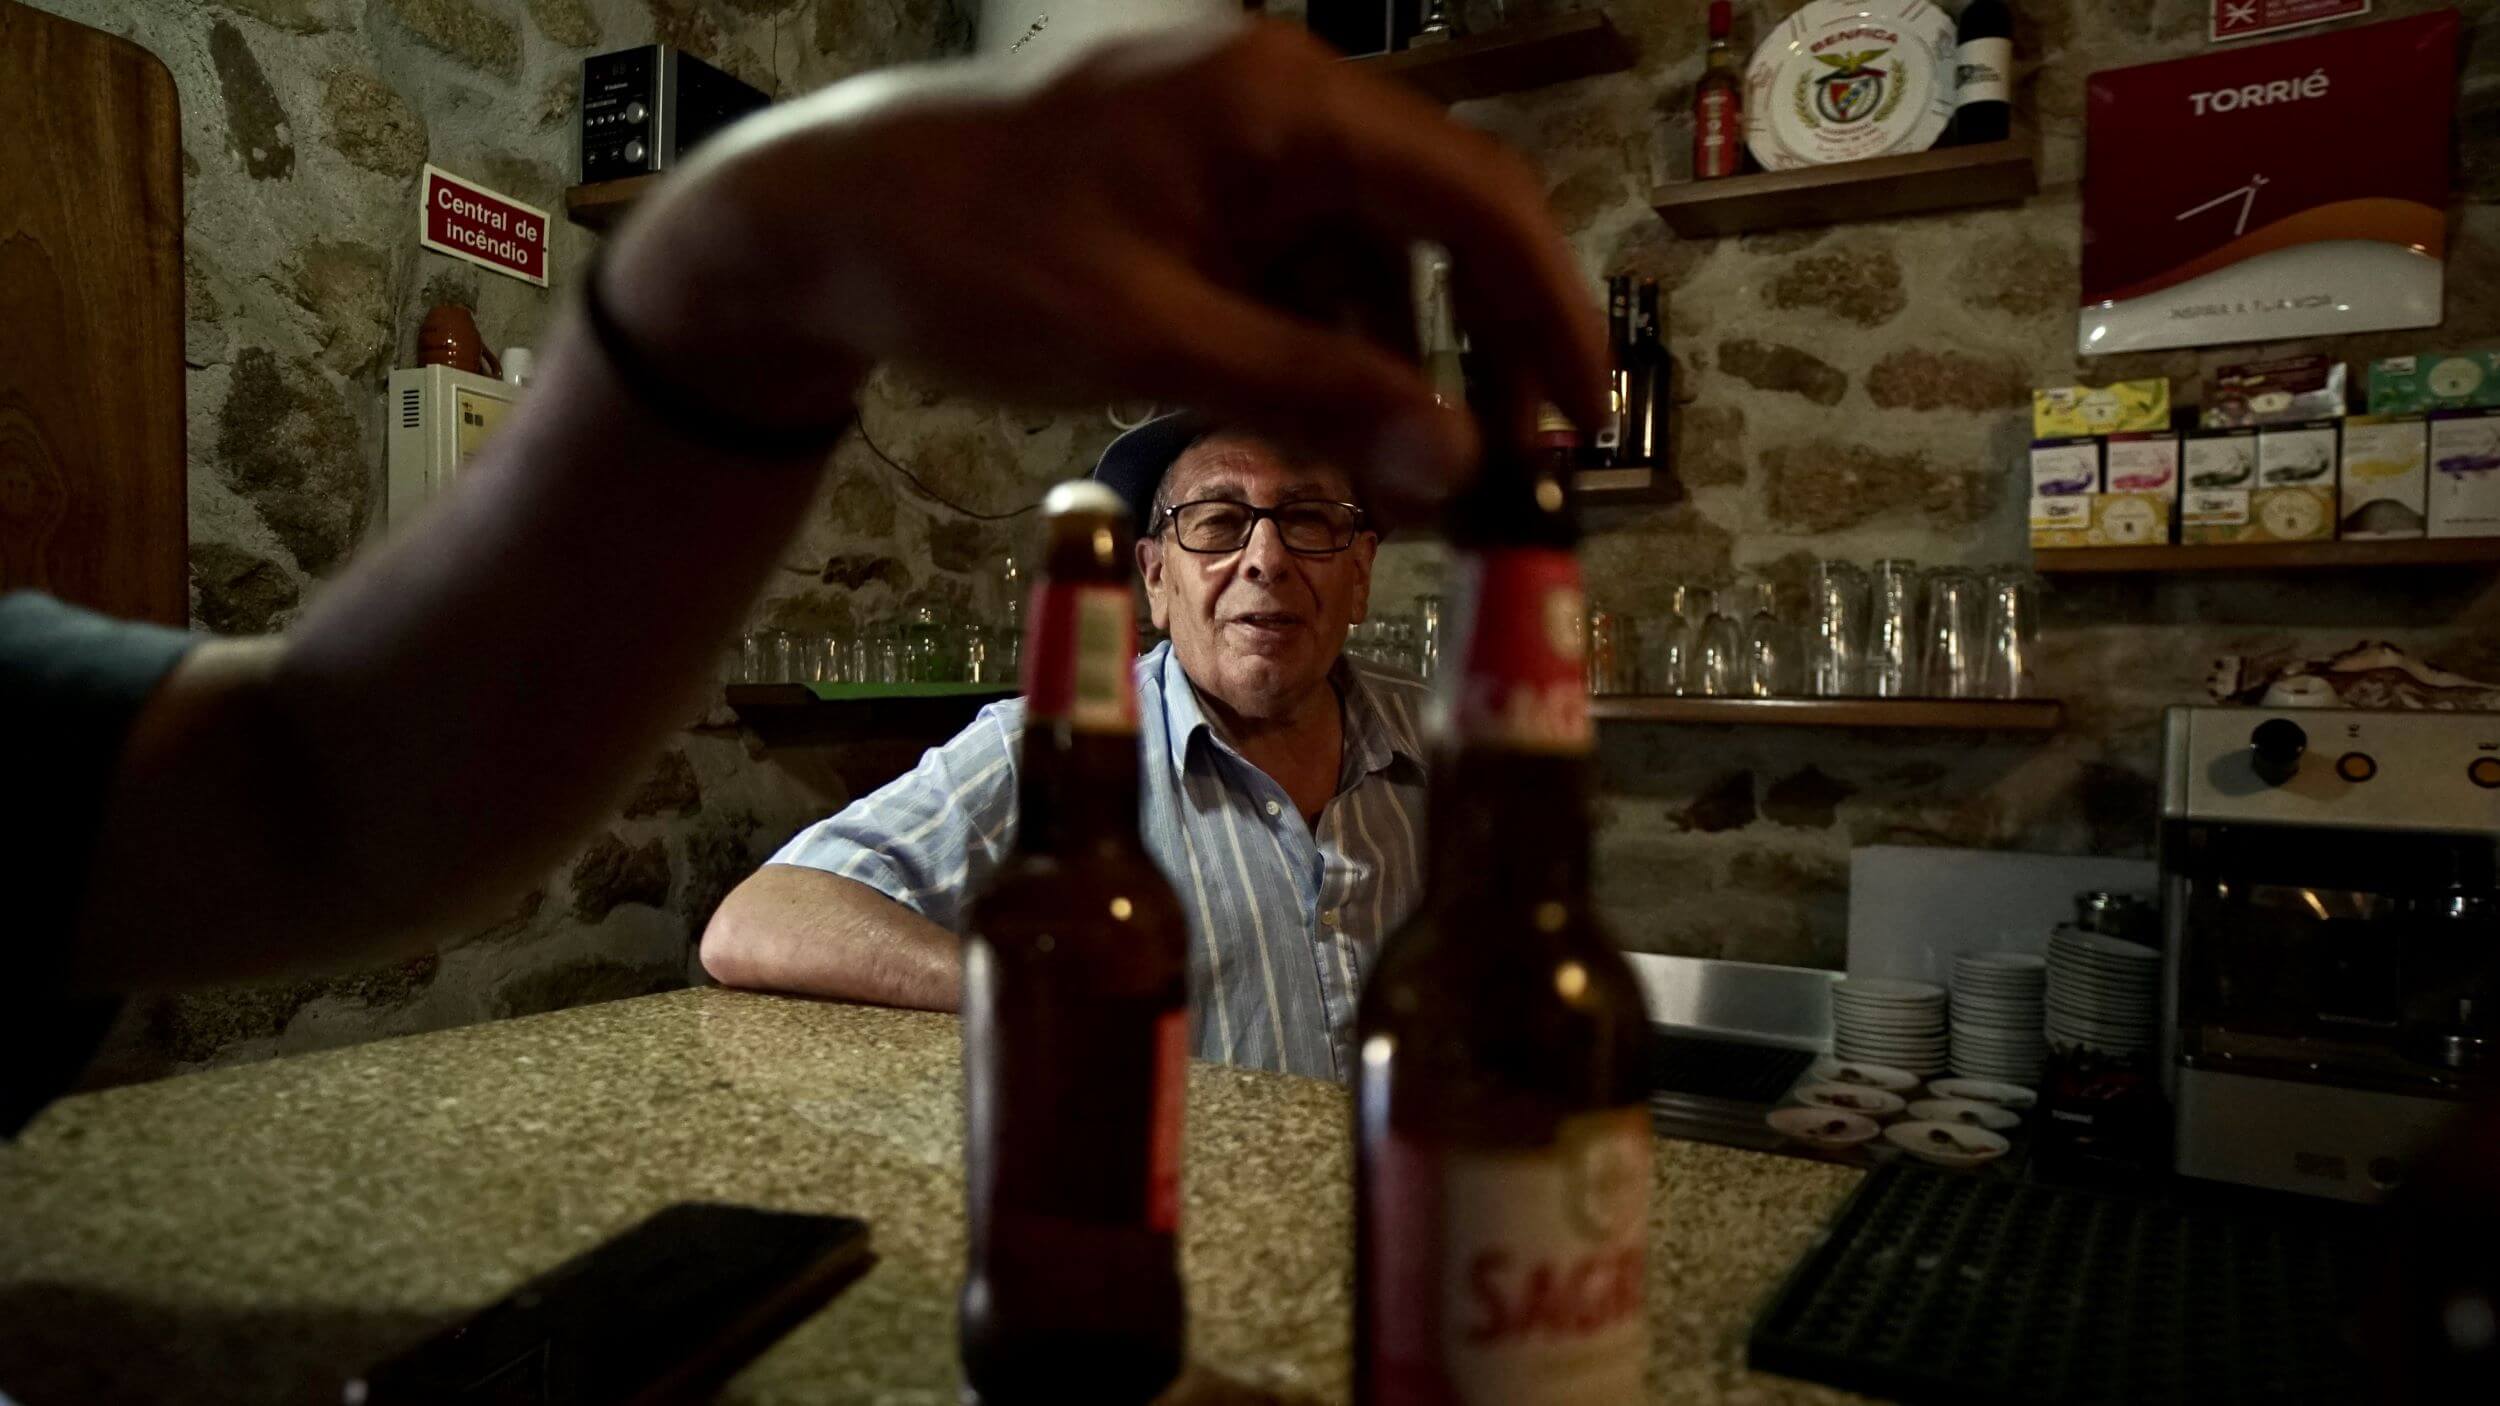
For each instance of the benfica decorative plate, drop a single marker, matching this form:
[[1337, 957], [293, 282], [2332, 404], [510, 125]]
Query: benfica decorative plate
[[1843, 80]]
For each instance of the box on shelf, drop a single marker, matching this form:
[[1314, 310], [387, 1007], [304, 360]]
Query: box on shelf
[[2061, 522], [2101, 520], [2282, 391], [2414, 385], [2065, 468], [2121, 406], [2216, 460], [2297, 456], [2141, 463], [2464, 479], [2208, 516], [2239, 516], [2384, 485]]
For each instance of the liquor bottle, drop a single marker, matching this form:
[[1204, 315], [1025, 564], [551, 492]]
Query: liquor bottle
[[1606, 446], [1075, 1019], [1983, 109], [1719, 106], [1444, 364], [1651, 388], [1503, 1142]]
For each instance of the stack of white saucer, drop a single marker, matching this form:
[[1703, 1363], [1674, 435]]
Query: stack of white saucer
[[1896, 1023], [2104, 993], [1999, 1009]]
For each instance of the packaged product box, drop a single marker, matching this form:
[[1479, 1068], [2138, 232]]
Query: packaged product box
[[2464, 479], [2214, 460], [2415, 385], [2129, 520], [2297, 456], [2209, 516], [2283, 391], [2141, 463], [2384, 483], [2062, 521], [2065, 468], [2122, 406]]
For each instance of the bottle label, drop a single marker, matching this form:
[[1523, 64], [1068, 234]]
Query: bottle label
[[1985, 70], [1078, 657], [1521, 684], [1717, 133], [1512, 1275], [1163, 1182]]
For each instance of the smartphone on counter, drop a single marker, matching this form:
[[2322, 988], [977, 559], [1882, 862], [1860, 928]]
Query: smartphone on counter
[[664, 1312]]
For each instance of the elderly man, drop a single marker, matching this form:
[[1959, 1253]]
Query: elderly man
[[1282, 782]]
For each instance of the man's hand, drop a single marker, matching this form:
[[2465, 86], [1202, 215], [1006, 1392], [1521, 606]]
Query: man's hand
[[1208, 217]]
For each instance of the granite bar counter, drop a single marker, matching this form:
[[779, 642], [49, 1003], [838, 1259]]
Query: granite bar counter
[[255, 1234]]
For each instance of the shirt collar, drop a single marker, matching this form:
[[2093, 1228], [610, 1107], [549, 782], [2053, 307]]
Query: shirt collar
[[1375, 738]]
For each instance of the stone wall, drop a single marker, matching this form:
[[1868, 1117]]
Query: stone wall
[[305, 125], [1861, 392]]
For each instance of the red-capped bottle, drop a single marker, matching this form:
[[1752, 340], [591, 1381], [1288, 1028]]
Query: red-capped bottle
[[1503, 1143], [1076, 1018], [1719, 105]]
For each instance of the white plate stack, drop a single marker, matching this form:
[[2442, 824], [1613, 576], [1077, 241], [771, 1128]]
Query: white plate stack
[[1899, 1023], [2000, 1005], [2104, 993]]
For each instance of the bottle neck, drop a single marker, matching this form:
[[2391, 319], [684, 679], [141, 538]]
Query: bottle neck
[[1078, 786], [1511, 784]]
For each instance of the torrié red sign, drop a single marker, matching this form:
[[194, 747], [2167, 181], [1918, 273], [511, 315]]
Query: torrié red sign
[[473, 223], [2246, 19], [2293, 189]]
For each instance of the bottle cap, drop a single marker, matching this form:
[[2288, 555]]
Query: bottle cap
[[1718, 19]]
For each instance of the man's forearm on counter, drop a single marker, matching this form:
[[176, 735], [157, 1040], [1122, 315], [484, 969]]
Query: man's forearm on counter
[[796, 929]]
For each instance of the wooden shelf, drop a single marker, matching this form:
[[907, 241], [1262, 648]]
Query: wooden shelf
[[1947, 179], [1924, 714], [790, 713], [1511, 59], [2266, 556], [601, 205]]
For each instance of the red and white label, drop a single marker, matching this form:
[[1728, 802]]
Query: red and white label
[[1716, 134], [1521, 683], [1163, 1182], [2246, 19], [1512, 1276], [1078, 655], [473, 223]]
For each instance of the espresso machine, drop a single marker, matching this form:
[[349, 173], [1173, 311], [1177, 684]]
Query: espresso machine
[[2331, 910]]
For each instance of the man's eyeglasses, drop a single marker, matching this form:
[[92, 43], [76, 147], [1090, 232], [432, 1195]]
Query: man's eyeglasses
[[1308, 527]]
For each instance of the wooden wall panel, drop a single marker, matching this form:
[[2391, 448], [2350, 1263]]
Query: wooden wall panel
[[92, 475]]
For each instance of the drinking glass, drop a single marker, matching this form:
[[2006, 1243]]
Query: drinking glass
[[979, 667], [1950, 658], [1891, 663], [885, 653], [2013, 626], [811, 658], [1428, 635], [1770, 646], [1719, 660], [1604, 663], [1007, 615], [755, 657], [1666, 653], [1835, 628]]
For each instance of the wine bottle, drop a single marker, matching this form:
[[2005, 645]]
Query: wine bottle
[[1719, 106], [1606, 446], [1645, 427], [1984, 72]]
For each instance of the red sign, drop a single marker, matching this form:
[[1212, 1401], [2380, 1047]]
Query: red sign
[[2295, 189], [473, 223], [2246, 19]]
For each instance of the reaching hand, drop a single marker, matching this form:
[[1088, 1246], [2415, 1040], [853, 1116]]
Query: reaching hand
[[1217, 218]]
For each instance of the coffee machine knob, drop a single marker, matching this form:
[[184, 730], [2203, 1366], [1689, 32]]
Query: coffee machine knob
[[635, 151], [2275, 750], [634, 113]]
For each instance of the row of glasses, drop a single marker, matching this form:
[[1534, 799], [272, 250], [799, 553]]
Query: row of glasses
[[1892, 631], [1409, 641], [922, 647]]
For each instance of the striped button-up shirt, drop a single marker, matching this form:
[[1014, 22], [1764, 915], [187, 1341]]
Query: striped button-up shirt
[[1285, 918]]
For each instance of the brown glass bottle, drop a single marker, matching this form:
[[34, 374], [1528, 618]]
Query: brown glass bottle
[[1502, 1128], [1076, 1005]]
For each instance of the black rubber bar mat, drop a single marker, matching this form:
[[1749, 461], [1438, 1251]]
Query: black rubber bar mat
[[1934, 1287]]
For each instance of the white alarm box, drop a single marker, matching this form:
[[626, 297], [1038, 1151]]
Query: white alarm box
[[439, 418]]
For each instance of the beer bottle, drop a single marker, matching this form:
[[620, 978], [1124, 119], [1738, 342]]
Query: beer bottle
[[1502, 1127], [1075, 1018]]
